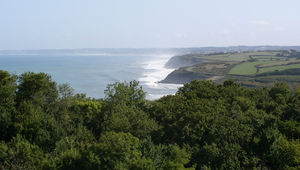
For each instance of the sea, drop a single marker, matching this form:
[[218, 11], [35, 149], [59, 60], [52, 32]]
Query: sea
[[90, 73]]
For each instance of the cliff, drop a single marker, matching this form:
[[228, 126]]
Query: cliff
[[182, 76], [183, 61]]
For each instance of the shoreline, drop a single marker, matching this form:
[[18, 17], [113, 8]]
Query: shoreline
[[155, 72]]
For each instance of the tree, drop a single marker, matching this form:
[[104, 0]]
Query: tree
[[285, 154], [36, 126], [128, 93], [65, 91], [118, 150], [89, 113], [200, 89], [165, 156], [124, 110], [76, 152], [7, 104], [38, 88], [203, 126], [21, 154], [123, 118]]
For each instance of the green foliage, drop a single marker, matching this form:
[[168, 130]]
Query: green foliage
[[65, 91], [36, 126], [38, 88], [290, 129], [89, 113], [200, 89], [129, 119], [124, 111], [225, 127], [285, 154], [21, 154], [165, 156], [202, 126], [118, 150], [130, 94], [74, 152], [7, 101]]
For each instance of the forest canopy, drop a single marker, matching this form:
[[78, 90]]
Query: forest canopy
[[205, 125]]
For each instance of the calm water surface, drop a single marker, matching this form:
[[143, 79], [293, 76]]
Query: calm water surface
[[90, 74]]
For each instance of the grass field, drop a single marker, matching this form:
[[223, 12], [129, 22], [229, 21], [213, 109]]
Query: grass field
[[265, 58], [246, 68], [282, 78], [242, 63], [227, 57], [252, 69], [279, 63], [279, 68], [244, 56]]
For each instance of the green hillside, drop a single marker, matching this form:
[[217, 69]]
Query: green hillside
[[243, 67]]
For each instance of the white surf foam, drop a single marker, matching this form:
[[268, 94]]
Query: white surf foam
[[156, 71]]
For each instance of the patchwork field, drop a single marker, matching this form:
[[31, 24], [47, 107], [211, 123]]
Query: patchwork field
[[246, 68], [250, 68], [265, 63]]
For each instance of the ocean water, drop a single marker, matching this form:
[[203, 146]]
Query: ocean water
[[91, 73]]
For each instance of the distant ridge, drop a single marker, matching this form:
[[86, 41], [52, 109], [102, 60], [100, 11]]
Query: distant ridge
[[202, 50]]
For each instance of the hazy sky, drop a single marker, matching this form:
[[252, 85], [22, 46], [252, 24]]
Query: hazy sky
[[47, 24]]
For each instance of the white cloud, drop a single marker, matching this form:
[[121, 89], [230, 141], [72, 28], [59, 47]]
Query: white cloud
[[260, 22]]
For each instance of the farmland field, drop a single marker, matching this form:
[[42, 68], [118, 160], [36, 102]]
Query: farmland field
[[259, 68], [246, 68], [267, 58], [279, 68], [227, 57]]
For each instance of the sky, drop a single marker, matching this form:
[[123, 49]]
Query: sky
[[71, 24]]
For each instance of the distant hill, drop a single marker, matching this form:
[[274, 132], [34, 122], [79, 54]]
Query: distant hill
[[250, 68], [177, 51]]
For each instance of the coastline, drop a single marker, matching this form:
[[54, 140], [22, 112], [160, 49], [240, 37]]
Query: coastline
[[155, 72]]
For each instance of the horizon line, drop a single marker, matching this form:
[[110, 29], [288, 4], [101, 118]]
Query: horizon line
[[111, 48]]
